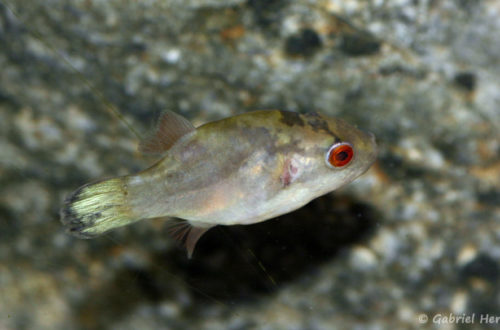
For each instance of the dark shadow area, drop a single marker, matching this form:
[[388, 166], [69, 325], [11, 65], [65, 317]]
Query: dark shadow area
[[236, 264]]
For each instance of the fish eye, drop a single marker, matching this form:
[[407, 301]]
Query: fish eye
[[339, 155]]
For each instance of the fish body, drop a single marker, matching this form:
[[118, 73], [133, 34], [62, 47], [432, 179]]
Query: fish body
[[239, 170]]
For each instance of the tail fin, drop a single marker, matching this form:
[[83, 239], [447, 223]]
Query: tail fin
[[97, 207]]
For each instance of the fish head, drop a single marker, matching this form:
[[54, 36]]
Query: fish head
[[332, 154]]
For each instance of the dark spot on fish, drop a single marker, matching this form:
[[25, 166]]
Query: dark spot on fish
[[76, 229], [74, 224], [317, 123], [291, 118], [91, 218]]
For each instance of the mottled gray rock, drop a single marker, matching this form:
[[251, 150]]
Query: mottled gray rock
[[418, 234]]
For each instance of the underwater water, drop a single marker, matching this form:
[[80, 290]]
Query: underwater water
[[414, 242]]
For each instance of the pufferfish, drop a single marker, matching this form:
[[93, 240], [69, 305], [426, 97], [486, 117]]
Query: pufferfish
[[239, 170]]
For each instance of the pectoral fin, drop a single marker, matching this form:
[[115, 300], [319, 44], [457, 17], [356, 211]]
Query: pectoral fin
[[170, 128]]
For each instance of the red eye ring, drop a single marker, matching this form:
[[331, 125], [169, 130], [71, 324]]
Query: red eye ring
[[339, 155]]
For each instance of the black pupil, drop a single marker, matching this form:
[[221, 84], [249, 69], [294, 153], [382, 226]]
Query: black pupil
[[341, 156]]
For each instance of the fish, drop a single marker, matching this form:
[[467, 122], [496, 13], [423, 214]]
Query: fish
[[238, 170]]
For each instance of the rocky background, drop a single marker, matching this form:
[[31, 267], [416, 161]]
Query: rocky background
[[418, 235]]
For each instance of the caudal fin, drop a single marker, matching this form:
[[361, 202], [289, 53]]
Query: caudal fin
[[97, 207]]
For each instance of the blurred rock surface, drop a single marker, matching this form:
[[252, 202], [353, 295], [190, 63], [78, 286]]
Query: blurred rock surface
[[419, 233]]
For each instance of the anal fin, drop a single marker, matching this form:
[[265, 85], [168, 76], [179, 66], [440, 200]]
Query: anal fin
[[187, 234]]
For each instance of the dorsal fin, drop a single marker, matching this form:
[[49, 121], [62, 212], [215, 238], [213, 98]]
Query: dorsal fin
[[170, 128], [187, 234]]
